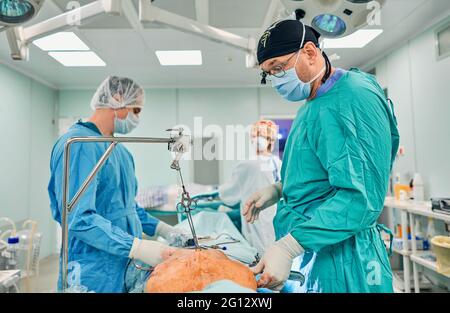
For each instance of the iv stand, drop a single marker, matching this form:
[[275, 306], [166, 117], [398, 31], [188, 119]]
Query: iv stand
[[69, 204]]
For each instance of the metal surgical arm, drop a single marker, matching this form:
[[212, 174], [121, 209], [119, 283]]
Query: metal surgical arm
[[178, 143]]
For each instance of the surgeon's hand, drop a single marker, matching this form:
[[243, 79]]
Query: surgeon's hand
[[150, 252], [261, 200], [165, 230], [174, 236], [276, 263]]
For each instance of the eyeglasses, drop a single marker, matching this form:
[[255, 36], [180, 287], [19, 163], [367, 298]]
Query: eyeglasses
[[277, 71]]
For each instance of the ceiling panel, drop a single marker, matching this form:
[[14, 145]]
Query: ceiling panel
[[132, 53], [123, 47], [66, 5], [237, 13], [107, 22], [184, 8]]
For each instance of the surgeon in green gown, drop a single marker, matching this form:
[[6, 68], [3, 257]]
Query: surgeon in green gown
[[335, 171]]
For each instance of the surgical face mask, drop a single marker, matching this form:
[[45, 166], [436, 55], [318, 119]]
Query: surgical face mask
[[290, 87], [262, 144], [127, 125]]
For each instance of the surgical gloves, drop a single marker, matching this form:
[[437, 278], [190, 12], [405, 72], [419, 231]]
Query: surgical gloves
[[175, 237], [164, 230], [276, 263], [150, 252], [261, 200]]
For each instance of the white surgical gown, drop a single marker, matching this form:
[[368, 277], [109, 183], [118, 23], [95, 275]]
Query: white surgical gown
[[248, 177]]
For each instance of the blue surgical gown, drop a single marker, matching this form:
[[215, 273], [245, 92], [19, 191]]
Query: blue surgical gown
[[335, 176], [104, 223]]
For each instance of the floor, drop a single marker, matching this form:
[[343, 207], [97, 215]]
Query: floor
[[48, 277]]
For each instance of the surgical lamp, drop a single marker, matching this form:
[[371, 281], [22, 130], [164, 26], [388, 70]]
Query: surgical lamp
[[329, 24], [334, 18], [16, 12]]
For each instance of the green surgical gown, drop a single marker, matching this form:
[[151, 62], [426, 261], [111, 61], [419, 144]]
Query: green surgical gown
[[335, 176]]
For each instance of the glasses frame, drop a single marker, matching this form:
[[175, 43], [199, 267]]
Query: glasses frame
[[281, 72]]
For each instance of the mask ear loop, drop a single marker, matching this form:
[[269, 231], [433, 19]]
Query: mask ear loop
[[301, 45], [327, 68]]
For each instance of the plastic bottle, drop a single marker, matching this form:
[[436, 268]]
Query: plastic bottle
[[419, 235], [399, 231], [418, 190], [431, 232], [11, 253], [28, 251]]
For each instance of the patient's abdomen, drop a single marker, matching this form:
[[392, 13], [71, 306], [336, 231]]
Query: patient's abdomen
[[193, 270]]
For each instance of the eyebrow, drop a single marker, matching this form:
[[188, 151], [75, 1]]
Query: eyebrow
[[270, 65]]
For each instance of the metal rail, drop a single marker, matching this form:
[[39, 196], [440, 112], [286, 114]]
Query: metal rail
[[68, 204]]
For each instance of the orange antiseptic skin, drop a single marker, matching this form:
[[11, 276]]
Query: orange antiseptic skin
[[193, 270]]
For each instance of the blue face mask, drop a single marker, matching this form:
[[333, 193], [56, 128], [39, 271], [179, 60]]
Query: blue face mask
[[290, 87], [127, 125]]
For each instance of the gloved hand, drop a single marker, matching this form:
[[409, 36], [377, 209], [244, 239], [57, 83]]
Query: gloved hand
[[174, 236], [276, 263], [261, 200], [164, 230], [150, 252]]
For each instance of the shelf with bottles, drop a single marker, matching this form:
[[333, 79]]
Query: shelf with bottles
[[422, 208], [398, 282], [425, 210], [426, 259], [391, 202]]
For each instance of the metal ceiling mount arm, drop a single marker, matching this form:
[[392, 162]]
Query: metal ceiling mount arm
[[20, 37], [69, 204], [149, 13]]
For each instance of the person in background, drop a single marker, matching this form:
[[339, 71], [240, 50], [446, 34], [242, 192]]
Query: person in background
[[252, 175], [105, 227], [335, 172]]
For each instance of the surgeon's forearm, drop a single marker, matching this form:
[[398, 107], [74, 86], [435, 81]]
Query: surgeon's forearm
[[149, 223], [336, 220], [279, 187], [99, 233]]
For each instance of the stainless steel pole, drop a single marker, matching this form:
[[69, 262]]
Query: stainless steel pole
[[88, 180], [68, 205]]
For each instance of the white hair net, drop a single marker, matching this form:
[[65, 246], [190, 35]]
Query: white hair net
[[118, 92]]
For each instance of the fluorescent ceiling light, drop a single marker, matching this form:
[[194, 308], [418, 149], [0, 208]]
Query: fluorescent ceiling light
[[77, 58], [64, 41], [181, 57], [358, 39]]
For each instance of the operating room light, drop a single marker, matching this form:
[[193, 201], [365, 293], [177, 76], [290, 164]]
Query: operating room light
[[63, 41], [329, 25], [16, 11], [358, 39], [180, 57], [77, 58]]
